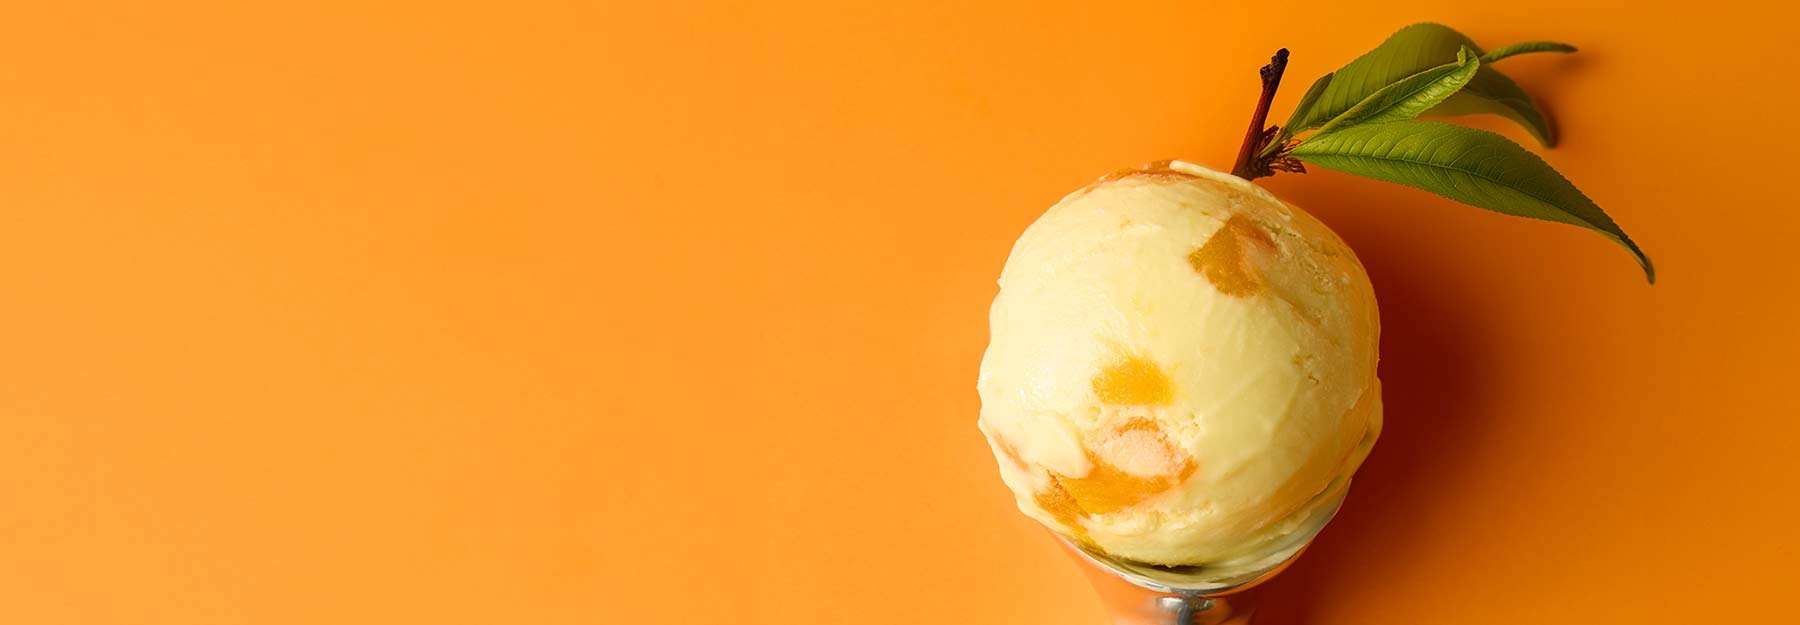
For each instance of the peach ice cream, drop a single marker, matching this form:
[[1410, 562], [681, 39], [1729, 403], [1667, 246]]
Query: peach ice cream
[[1181, 367]]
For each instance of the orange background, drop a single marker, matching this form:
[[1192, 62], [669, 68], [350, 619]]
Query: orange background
[[567, 312]]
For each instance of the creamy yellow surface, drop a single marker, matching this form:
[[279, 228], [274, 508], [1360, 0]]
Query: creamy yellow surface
[[1181, 367]]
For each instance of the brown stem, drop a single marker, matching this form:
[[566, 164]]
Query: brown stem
[[1246, 166]]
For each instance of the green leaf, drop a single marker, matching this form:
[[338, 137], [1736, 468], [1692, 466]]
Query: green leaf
[[1526, 48], [1411, 50], [1492, 93], [1306, 103], [1411, 96], [1471, 166], [1312, 95]]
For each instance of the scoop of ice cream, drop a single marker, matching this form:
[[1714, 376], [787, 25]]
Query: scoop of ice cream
[[1182, 367]]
